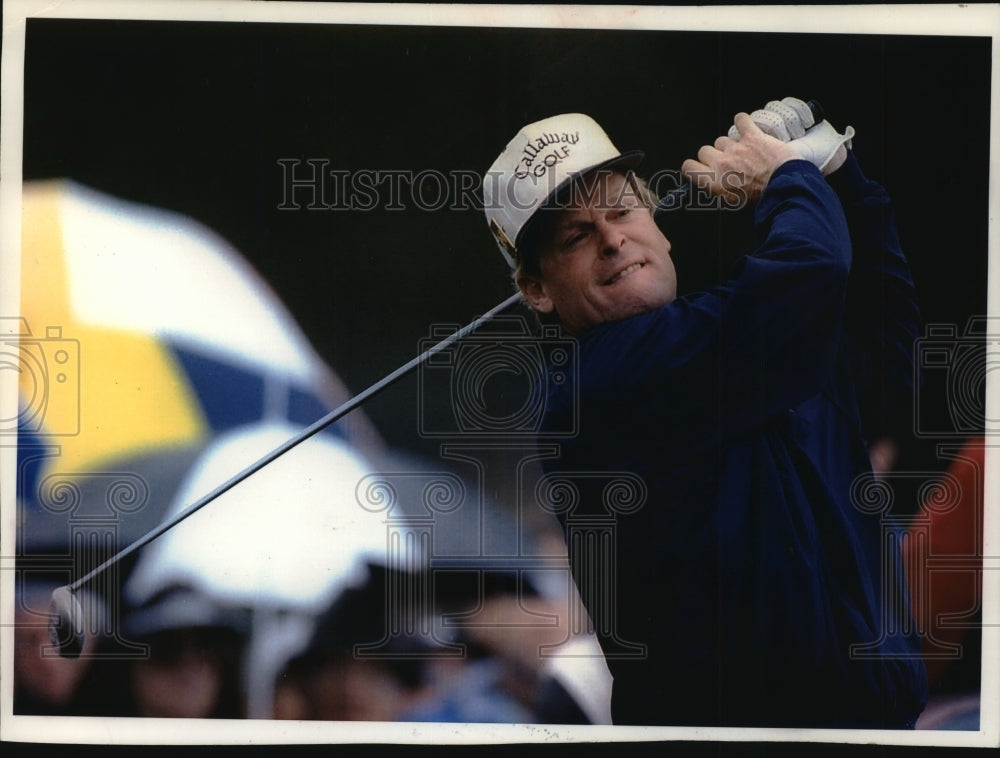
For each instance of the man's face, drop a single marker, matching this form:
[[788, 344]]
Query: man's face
[[602, 258]]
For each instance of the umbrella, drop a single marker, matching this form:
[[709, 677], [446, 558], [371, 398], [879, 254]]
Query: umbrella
[[141, 336]]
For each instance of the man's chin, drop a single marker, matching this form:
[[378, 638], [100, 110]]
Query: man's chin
[[646, 299]]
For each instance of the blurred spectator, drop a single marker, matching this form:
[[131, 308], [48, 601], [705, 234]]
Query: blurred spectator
[[46, 684], [883, 453], [474, 689], [943, 553], [523, 634], [415, 677], [328, 681], [193, 668]]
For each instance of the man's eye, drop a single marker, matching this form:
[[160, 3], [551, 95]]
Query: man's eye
[[624, 212], [574, 239]]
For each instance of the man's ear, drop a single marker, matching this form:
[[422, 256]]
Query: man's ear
[[534, 293]]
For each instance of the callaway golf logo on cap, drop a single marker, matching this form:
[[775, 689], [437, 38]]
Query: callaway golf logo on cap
[[543, 158], [547, 151]]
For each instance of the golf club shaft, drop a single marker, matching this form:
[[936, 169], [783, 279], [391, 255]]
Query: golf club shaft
[[305, 434]]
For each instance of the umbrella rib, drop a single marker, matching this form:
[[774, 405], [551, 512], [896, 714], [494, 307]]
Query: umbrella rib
[[302, 436]]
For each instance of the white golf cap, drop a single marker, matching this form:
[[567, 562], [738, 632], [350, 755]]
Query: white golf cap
[[541, 160]]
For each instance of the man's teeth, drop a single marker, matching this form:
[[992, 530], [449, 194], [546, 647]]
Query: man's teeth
[[625, 272]]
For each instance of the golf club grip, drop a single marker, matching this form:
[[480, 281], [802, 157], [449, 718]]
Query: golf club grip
[[680, 197]]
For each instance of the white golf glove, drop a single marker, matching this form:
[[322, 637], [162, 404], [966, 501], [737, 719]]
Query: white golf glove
[[823, 146], [786, 119], [791, 120]]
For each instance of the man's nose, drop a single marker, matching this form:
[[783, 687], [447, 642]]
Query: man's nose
[[612, 240]]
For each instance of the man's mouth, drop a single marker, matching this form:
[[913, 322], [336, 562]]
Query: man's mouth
[[627, 271]]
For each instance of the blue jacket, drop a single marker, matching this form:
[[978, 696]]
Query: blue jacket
[[747, 583]]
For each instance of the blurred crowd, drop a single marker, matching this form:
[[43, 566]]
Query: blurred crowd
[[350, 668], [396, 644]]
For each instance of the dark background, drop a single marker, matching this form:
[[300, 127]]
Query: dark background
[[195, 116]]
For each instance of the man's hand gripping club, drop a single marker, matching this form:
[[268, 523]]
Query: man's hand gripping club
[[738, 170]]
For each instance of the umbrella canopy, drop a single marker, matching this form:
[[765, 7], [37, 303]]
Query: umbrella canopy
[[290, 537], [142, 335]]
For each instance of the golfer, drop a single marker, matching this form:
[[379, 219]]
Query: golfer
[[756, 588]]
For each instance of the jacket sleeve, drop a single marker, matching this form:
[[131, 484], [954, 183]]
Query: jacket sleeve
[[882, 319], [726, 360]]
